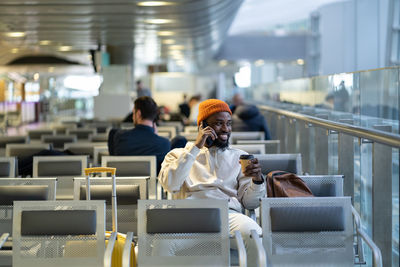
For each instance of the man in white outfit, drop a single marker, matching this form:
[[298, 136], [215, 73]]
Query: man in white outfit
[[210, 169]]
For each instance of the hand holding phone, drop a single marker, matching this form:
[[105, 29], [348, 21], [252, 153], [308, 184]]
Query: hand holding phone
[[209, 140], [206, 135]]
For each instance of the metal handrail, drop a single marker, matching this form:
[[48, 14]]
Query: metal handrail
[[389, 139]]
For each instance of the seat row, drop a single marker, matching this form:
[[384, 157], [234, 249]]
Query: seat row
[[296, 232]]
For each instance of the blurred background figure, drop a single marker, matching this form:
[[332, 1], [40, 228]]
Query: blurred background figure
[[248, 118], [237, 100], [194, 109], [140, 90], [184, 108], [341, 98]]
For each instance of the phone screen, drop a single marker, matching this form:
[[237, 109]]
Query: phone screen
[[209, 141]]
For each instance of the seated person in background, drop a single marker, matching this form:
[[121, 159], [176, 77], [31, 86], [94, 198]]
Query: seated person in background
[[143, 139], [247, 118], [210, 169], [237, 100], [194, 110]]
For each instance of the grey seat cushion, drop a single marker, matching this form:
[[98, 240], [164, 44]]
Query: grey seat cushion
[[4, 169], [126, 194], [58, 222], [131, 168], [54, 168], [183, 220], [306, 219], [10, 193]]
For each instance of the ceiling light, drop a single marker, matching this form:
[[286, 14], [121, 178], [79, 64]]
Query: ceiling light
[[165, 33], [64, 48], [14, 50], [155, 3], [45, 42], [51, 69], [15, 34], [223, 63], [168, 41], [177, 47], [300, 61], [158, 21], [177, 56], [259, 62], [175, 52]]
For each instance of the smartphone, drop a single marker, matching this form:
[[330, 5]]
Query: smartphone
[[209, 141]]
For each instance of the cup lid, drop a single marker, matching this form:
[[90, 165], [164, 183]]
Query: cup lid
[[246, 156]]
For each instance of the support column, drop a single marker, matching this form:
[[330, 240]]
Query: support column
[[382, 197], [346, 161]]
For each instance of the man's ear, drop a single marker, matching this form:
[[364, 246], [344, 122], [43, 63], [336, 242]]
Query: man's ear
[[139, 114]]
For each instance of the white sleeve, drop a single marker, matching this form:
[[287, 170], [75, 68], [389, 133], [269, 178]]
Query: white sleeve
[[176, 167], [250, 193]]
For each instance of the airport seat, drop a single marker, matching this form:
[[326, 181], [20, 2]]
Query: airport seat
[[170, 129], [58, 141], [83, 148], [99, 137], [36, 135], [185, 233], [12, 189], [130, 166], [308, 232], [62, 129], [82, 133], [65, 168], [8, 167], [164, 134], [24, 150], [324, 185], [191, 129], [251, 148], [177, 124], [283, 162], [73, 234], [271, 146], [129, 191], [98, 153], [189, 136], [4, 140], [235, 136]]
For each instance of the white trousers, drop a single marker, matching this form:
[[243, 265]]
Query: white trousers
[[237, 221]]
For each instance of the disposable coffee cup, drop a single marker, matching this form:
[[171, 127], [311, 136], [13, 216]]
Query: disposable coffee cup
[[245, 160]]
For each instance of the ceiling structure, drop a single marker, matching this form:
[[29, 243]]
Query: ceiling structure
[[263, 16], [157, 30]]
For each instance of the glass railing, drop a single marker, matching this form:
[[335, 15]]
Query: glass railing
[[369, 98], [345, 124]]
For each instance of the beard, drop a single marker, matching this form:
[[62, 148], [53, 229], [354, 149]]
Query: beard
[[221, 144]]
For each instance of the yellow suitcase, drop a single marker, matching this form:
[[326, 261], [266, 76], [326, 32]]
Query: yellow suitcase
[[121, 238]]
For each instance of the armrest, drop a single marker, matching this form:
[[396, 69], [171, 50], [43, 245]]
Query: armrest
[[109, 249], [262, 257], [241, 248], [3, 239], [357, 222], [126, 254], [376, 252]]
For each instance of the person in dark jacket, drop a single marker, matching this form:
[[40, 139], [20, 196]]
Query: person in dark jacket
[[248, 118], [143, 139]]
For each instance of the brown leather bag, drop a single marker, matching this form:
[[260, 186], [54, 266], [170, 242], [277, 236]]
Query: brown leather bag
[[286, 184]]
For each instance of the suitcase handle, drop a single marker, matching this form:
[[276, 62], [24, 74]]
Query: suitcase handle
[[100, 169]]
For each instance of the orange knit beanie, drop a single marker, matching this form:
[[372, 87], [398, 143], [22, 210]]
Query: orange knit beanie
[[211, 106]]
